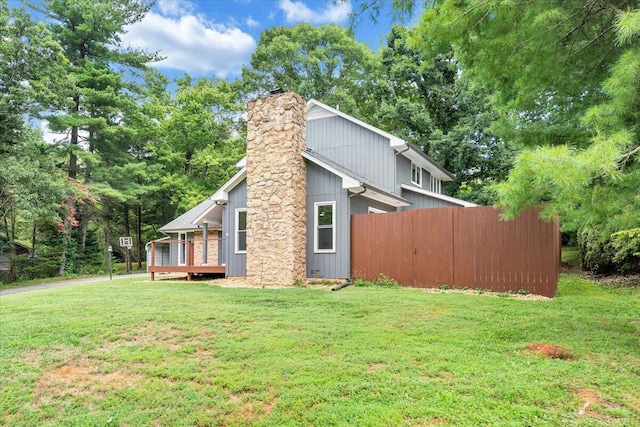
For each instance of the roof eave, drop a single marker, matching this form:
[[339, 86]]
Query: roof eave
[[439, 196]]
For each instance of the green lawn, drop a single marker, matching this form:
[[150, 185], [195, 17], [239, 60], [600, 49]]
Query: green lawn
[[136, 353]]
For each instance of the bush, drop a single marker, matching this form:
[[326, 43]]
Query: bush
[[626, 244], [596, 251]]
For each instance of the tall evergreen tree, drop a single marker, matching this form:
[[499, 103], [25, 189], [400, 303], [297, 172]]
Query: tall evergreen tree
[[89, 32]]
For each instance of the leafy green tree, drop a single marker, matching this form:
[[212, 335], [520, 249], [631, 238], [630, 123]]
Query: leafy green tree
[[102, 90], [32, 191], [563, 77], [428, 101], [31, 71], [321, 62], [202, 139]]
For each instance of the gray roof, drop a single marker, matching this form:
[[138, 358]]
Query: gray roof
[[185, 221], [348, 172]]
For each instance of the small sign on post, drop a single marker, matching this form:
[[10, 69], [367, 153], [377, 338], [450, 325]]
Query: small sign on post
[[126, 242]]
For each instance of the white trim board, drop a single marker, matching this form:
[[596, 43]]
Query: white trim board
[[439, 196]]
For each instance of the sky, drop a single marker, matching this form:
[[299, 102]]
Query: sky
[[217, 37]]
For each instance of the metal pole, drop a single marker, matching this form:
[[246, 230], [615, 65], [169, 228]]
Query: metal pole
[[110, 250]]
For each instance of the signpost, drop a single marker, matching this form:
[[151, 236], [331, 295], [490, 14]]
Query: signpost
[[126, 242], [110, 250]]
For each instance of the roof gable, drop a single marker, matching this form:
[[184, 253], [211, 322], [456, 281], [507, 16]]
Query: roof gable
[[316, 110]]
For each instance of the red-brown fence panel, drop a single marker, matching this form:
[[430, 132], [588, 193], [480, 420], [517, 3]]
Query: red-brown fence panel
[[461, 247]]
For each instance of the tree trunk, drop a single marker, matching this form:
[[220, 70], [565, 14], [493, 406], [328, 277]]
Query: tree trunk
[[73, 143], [139, 234], [33, 239], [127, 231]]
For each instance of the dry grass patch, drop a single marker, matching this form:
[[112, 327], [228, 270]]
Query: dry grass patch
[[551, 351]]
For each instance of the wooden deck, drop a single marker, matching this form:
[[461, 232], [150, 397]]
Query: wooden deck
[[188, 267]]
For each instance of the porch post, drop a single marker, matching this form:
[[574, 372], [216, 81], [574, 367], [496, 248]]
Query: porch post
[[205, 241], [153, 260]]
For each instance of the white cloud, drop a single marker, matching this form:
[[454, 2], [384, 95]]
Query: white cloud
[[175, 7], [298, 11], [191, 43], [51, 137], [252, 23]]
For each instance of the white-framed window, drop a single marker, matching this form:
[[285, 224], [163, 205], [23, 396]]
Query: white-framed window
[[324, 227], [416, 174], [375, 210], [182, 248], [436, 185], [241, 231]]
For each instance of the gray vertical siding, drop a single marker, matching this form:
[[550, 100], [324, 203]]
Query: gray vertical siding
[[323, 186], [361, 205], [173, 247], [421, 201], [403, 174], [358, 149], [236, 263]]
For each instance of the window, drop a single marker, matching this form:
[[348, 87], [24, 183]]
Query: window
[[325, 229], [241, 231], [416, 174], [436, 185], [182, 248], [375, 210]]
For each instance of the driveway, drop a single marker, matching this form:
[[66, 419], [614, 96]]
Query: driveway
[[69, 282]]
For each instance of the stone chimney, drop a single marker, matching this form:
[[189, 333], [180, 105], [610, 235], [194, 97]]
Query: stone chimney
[[276, 190]]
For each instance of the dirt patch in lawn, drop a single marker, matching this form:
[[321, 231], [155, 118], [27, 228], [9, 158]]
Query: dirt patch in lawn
[[162, 334], [247, 408], [551, 351], [80, 378], [588, 398]]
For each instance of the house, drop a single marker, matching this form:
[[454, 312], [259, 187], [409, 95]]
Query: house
[[286, 213], [5, 255]]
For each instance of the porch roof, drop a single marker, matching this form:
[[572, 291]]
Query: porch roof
[[189, 220]]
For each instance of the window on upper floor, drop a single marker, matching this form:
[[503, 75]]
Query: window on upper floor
[[416, 174], [436, 185], [241, 231], [325, 227]]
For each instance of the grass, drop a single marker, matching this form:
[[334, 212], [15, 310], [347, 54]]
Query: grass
[[118, 269], [571, 256], [137, 353]]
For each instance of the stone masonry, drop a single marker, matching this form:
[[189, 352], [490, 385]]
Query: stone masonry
[[276, 190]]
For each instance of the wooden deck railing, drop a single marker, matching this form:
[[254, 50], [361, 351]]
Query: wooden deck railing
[[189, 266]]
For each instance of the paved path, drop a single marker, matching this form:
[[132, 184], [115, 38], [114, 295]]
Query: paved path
[[69, 282]]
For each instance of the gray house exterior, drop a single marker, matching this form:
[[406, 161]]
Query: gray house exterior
[[349, 167]]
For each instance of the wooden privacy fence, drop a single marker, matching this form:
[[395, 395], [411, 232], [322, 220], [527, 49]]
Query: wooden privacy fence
[[459, 247]]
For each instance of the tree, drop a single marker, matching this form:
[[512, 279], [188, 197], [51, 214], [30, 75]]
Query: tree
[[202, 139], [32, 190], [565, 79], [323, 62], [31, 71], [89, 32], [428, 101]]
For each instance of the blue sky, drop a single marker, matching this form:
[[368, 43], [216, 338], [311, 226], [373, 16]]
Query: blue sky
[[216, 37]]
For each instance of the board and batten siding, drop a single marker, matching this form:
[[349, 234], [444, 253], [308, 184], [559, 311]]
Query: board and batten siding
[[365, 153], [323, 186], [403, 174], [361, 205], [421, 201], [236, 263], [173, 247]]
